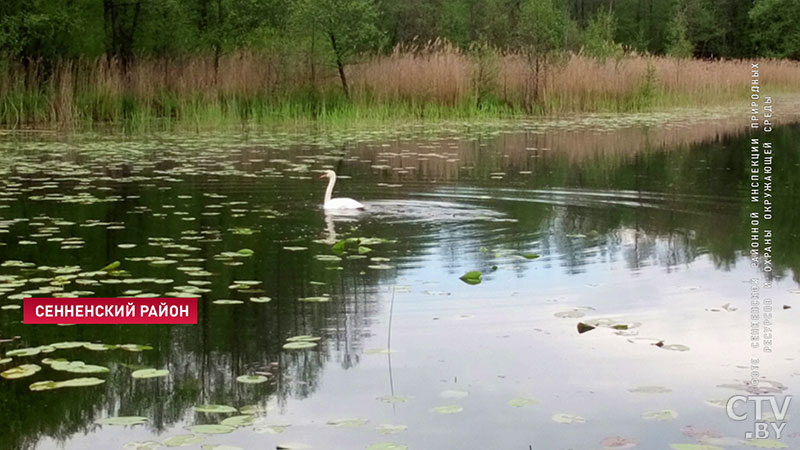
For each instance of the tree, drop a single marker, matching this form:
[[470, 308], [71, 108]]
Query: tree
[[776, 30], [350, 26], [678, 43], [541, 36], [598, 37]]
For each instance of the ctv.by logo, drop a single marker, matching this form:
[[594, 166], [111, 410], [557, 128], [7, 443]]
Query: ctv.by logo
[[762, 429]]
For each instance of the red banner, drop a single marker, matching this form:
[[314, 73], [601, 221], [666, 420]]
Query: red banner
[[110, 310]]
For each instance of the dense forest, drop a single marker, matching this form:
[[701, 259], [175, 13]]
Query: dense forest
[[51, 45]]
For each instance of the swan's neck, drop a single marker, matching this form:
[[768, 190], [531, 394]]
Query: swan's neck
[[329, 190]]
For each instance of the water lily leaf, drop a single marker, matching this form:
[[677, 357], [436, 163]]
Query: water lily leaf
[[663, 414], [150, 373], [568, 418], [215, 409], [211, 429], [314, 299], [303, 338], [522, 402], [181, 440], [447, 409], [238, 421], [295, 249], [141, 445], [386, 428], [31, 351], [123, 421], [454, 393], [530, 255], [260, 299], [675, 347], [251, 379], [245, 252], [134, 347], [114, 265], [270, 429], [5, 360], [99, 347], [227, 302], [387, 446], [22, 371], [77, 367], [348, 423], [299, 345], [473, 277]]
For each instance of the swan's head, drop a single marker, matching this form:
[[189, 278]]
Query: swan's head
[[328, 174]]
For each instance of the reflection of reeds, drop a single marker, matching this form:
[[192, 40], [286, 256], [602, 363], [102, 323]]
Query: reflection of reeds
[[436, 80]]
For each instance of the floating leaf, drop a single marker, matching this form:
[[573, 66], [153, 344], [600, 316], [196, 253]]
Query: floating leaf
[[211, 429], [348, 423], [251, 379], [447, 409], [675, 347], [650, 390], [150, 373], [299, 345], [663, 414], [114, 265], [522, 402], [454, 394], [294, 249], [394, 399], [387, 446], [303, 338], [5, 360], [270, 429], [215, 409], [227, 302], [260, 299], [22, 371], [141, 445], [314, 299], [123, 421], [568, 418], [238, 421], [473, 277], [245, 252], [386, 428], [31, 351], [530, 255], [77, 367], [181, 440]]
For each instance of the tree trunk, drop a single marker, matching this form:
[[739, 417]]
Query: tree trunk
[[340, 66]]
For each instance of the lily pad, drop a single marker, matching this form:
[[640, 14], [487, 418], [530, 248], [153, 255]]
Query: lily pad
[[227, 302], [22, 371], [394, 399], [387, 446], [447, 409], [568, 418], [522, 402], [251, 379], [123, 421], [386, 428], [300, 345], [211, 429], [150, 373], [181, 440], [315, 299], [238, 421], [77, 367], [473, 277], [245, 252], [348, 423], [260, 299], [215, 409], [454, 394], [650, 390], [141, 445], [270, 429], [663, 414]]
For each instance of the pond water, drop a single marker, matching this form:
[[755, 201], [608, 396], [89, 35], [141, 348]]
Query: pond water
[[638, 229]]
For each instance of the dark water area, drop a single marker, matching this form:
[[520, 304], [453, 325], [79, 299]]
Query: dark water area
[[640, 231]]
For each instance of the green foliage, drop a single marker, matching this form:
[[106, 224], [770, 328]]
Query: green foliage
[[543, 28], [776, 27], [599, 36], [678, 42]]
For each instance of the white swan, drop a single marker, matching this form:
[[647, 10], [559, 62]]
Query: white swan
[[337, 203]]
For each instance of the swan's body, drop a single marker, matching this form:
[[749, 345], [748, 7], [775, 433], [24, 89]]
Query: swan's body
[[337, 203]]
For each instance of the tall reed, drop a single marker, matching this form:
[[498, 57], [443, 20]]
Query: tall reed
[[435, 80]]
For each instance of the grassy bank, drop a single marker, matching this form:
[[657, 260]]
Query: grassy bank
[[435, 82]]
